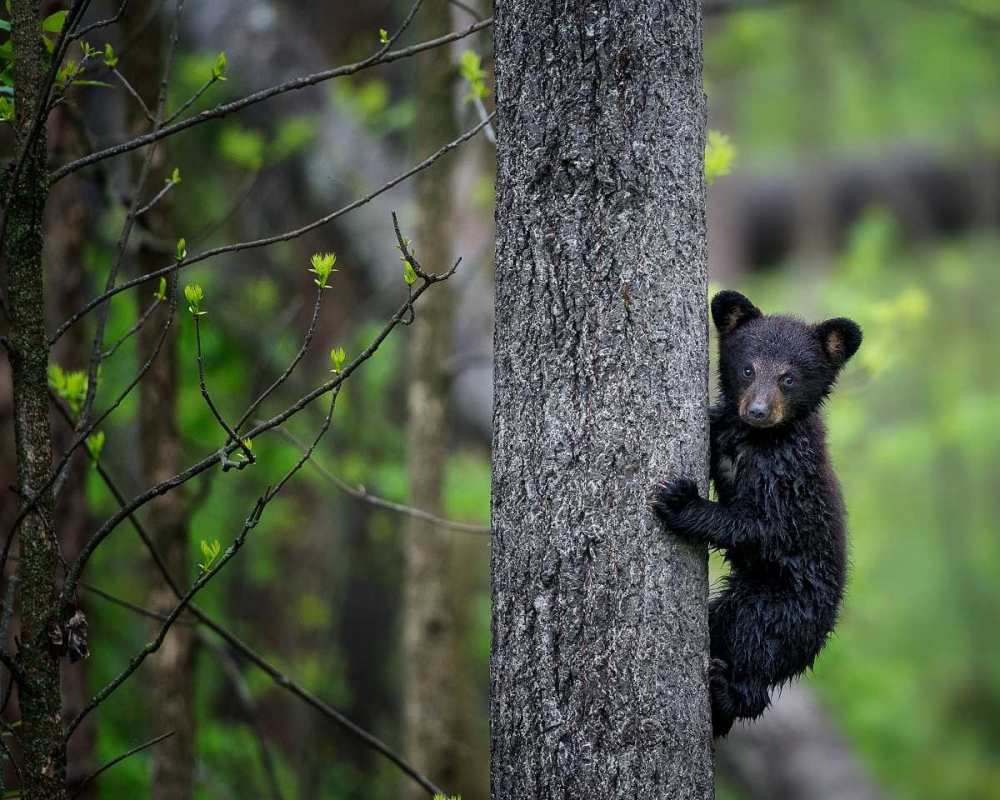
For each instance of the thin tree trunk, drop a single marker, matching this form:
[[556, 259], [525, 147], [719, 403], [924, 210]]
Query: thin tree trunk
[[66, 219], [44, 755], [599, 659], [171, 671], [429, 610]]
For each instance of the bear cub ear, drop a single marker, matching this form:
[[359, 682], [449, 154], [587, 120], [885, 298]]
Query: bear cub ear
[[840, 337], [731, 309]]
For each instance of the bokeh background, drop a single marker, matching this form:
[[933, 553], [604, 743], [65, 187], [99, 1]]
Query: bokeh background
[[865, 183]]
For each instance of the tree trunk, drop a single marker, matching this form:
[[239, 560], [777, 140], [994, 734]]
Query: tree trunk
[[429, 625], [66, 220], [171, 671], [600, 642], [44, 757]]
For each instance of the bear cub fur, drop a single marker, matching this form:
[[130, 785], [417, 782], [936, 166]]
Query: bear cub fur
[[779, 518]]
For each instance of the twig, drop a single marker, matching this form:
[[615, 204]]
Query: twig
[[101, 23], [240, 647], [193, 99], [136, 661], [156, 198], [232, 435], [245, 697], [382, 57], [131, 331], [119, 759], [211, 460], [291, 367], [135, 95], [362, 494], [257, 243]]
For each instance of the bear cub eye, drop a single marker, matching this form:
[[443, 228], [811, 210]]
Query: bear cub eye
[[748, 371], [788, 380]]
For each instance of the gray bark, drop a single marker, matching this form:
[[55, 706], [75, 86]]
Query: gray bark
[[794, 752], [598, 671]]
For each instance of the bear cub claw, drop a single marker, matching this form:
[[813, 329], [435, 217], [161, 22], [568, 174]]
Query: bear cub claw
[[672, 497]]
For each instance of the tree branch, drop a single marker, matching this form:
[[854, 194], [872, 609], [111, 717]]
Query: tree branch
[[382, 57], [265, 242]]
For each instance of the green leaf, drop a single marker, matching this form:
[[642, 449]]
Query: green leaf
[[322, 266], [409, 274], [219, 70], [95, 444], [161, 293], [181, 249], [110, 59], [194, 295], [470, 67], [175, 177], [337, 356], [383, 36], [720, 154], [53, 23]]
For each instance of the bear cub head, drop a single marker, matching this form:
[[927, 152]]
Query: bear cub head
[[776, 369]]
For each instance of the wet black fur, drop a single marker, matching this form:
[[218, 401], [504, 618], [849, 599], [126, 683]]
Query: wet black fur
[[779, 518]]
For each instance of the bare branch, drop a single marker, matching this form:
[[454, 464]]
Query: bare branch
[[193, 99], [232, 435], [249, 524], [363, 495], [265, 242], [215, 458], [291, 367], [101, 23], [382, 57], [119, 759], [135, 95]]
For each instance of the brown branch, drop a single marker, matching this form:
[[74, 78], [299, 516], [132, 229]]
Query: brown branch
[[265, 242], [119, 759], [361, 494], [383, 57]]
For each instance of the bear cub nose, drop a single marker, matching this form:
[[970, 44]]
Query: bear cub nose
[[757, 412]]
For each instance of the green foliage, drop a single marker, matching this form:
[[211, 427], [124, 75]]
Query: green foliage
[[95, 445], [337, 356], [194, 295], [383, 36], [470, 66], [53, 23], [209, 553], [720, 154], [70, 385], [322, 266], [219, 68], [110, 59], [181, 249]]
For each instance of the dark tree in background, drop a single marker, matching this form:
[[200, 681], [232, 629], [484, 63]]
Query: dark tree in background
[[598, 673]]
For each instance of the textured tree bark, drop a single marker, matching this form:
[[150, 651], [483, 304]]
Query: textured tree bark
[[794, 753], [599, 654], [44, 752], [429, 624], [172, 670]]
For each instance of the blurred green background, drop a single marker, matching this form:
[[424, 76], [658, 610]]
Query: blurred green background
[[866, 183]]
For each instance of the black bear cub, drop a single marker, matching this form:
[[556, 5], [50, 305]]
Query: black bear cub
[[779, 518]]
